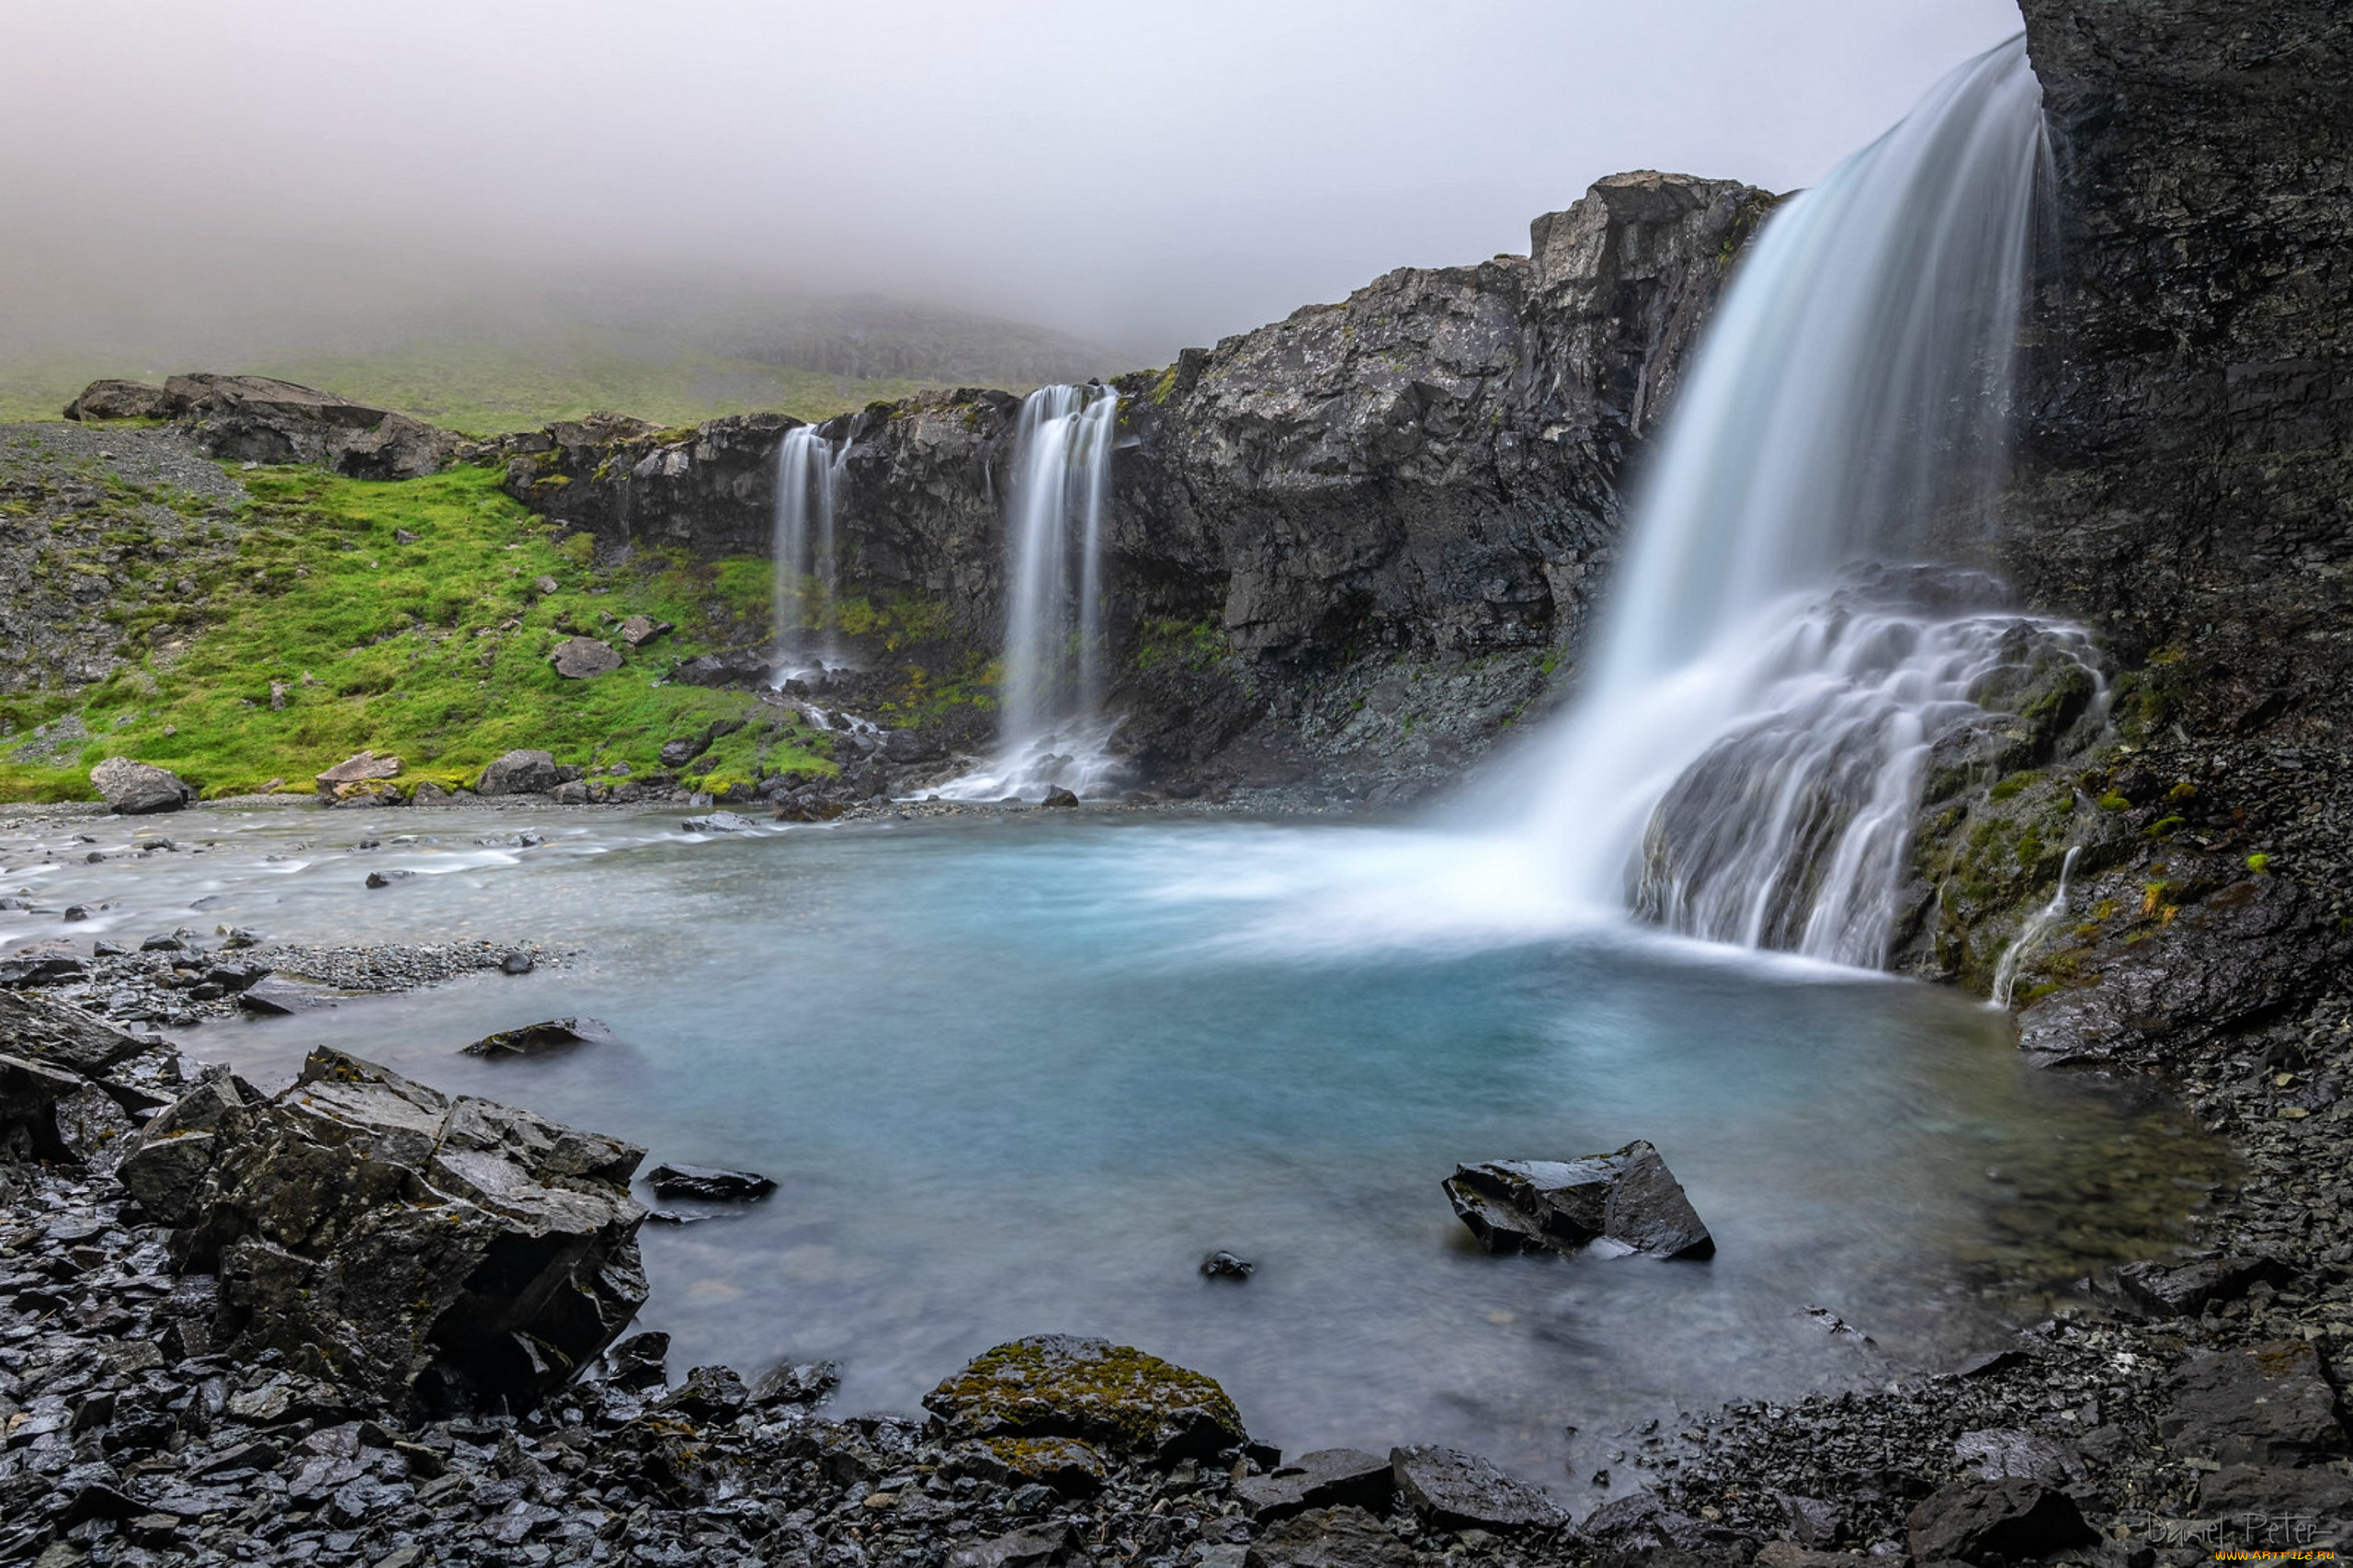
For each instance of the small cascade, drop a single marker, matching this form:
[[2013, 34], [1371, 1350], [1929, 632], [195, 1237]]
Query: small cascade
[[808, 490], [1748, 748], [2039, 926], [1052, 732]]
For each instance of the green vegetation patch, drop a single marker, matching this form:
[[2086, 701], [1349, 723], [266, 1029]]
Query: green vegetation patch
[[409, 617]]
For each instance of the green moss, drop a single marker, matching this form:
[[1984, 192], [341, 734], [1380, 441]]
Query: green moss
[[2010, 788], [2165, 827], [2112, 801], [2260, 864]]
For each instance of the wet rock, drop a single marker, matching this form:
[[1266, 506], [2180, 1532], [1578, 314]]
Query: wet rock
[[1064, 1465], [1060, 799], [112, 399], [2009, 1454], [796, 1382], [40, 963], [2275, 1491], [1328, 1478], [539, 1038], [398, 1239], [1113, 1396], [743, 667], [1627, 1199], [707, 1182], [517, 963], [92, 1127], [1790, 1554], [1330, 1538], [2153, 1289], [1227, 1265], [584, 658], [386, 879], [1974, 1520], [1034, 1546], [716, 822], [275, 996], [1457, 1490], [349, 776], [29, 1095], [638, 1361], [51, 1032], [137, 788], [709, 1393], [520, 772], [2269, 1404]]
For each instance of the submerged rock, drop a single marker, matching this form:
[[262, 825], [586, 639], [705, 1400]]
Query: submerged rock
[[136, 788], [708, 1183], [538, 1040], [1114, 1396], [1627, 1200]]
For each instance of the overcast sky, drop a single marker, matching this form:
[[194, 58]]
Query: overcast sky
[[1145, 175]]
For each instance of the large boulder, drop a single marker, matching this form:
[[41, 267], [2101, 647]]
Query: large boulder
[[69, 1082], [355, 775], [1117, 1398], [1457, 1491], [136, 788], [2270, 1405], [1973, 1520], [122, 400], [584, 658], [1626, 1201], [416, 1246], [260, 419], [520, 772]]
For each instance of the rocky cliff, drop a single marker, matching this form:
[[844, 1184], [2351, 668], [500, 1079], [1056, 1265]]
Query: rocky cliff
[[1349, 543]]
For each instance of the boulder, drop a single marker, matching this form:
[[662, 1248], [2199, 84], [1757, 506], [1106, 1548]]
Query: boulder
[[538, 1040], [1633, 1528], [30, 1092], [584, 658], [1060, 799], [347, 776], [1627, 1200], [2153, 1289], [796, 1382], [2269, 1404], [741, 666], [1328, 1478], [1064, 1464], [717, 821], [41, 963], [413, 1245], [637, 630], [136, 788], [1116, 1397], [59, 1036], [520, 772], [709, 1183], [260, 419], [1971, 1520], [122, 400], [1330, 1538], [386, 879], [276, 996], [1457, 1491], [1227, 1265]]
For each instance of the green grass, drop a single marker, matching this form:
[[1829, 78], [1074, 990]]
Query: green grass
[[435, 651]]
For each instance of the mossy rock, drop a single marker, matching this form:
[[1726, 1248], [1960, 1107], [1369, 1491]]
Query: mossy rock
[[1113, 1396]]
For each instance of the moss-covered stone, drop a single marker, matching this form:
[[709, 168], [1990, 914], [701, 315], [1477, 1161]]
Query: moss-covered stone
[[1113, 1396]]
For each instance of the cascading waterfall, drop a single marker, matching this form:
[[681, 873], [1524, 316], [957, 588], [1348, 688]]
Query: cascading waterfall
[[2039, 926], [1747, 754], [808, 490], [1052, 730]]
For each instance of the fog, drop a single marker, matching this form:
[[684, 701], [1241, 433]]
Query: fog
[[1142, 176]]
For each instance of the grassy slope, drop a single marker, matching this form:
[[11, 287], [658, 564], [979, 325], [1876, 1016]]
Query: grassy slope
[[487, 390], [435, 650]]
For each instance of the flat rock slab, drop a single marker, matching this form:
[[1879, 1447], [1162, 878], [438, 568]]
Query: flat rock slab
[[708, 1183], [1114, 1396], [1038, 1546], [1457, 1490], [2266, 1405], [364, 768], [717, 821], [539, 1038], [1330, 1538], [1627, 1199], [2152, 1289], [1975, 1519], [1328, 1478]]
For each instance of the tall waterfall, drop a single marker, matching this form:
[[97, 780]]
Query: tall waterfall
[[1052, 730], [1747, 754], [808, 488]]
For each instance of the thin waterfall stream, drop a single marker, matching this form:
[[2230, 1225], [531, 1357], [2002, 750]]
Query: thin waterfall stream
[[808, 491]]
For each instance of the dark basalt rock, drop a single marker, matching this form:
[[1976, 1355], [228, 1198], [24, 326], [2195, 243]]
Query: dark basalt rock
[[1627, 1199], [1457, 1490], [386, 879], [792, 1382], [1116, 1397], [743, 667], [1227, 1265], [2154, 1290], [1328, 1478], [1033, 1546], [520, 772], [122, 400], [538, 1040], [410, 1244], [1330, 1538], [1973, 1520], [257, 419], [2268, 1405], [584, 658], [708, 1183], [138, 789], [1060, 798]]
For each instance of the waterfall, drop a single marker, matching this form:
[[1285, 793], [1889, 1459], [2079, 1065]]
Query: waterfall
[[1051, 729], [1747, 749], [2030, 935], [807, 487]]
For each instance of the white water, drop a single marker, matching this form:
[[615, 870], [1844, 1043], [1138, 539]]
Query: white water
[[808, 491], [1052, 730], [2030, 935], [1778, 657]]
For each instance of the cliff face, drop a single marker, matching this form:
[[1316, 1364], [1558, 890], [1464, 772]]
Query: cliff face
[[1415, 488]]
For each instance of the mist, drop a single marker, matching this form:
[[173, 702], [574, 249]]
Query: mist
[[238, 178]]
